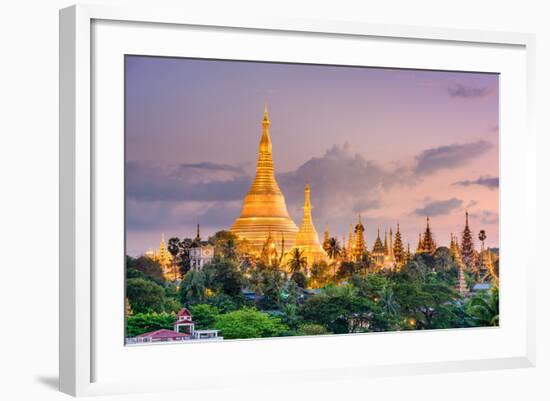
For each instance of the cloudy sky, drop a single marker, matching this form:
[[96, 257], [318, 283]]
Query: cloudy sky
[[393, 145]]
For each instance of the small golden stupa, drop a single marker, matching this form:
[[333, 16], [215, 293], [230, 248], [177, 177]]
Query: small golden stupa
[[264, 213], [307, 239]]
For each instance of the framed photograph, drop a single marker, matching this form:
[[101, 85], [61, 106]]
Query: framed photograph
[[247, 195]]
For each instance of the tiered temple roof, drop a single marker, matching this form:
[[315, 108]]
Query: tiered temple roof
[[264, 209]]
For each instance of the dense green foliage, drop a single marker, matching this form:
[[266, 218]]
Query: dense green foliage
[[248, 298], [145, 295], [204, 316], [146, 322], [249, 323]]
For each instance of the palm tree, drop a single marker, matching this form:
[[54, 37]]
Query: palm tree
[[193, 287], [333, 248], [297, 262], [387, 301], [485, 308], [174, 247]]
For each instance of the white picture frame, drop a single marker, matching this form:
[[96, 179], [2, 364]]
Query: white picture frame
[[80, 374]]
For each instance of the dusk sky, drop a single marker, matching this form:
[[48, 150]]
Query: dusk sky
[[393, 145]]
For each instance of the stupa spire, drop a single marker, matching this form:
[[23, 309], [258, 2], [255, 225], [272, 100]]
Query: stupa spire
[[419, 247], [307, 239], [264, 206], [359, 246]]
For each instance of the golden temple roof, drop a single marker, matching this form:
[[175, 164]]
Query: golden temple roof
[[264, 209], [307, 239]]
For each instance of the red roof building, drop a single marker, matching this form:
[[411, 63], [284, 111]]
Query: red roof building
[[162, 335], [185, 321]]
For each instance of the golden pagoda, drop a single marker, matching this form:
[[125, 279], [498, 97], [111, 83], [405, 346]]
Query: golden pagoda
[[378, 252], [389, 259], [264, 209], [359, 244], [306, 239], [163, 257]]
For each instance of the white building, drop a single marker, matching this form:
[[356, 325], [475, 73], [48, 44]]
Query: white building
[[184, 330], [201, 254]]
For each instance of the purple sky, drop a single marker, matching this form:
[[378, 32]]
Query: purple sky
[[394, 145]]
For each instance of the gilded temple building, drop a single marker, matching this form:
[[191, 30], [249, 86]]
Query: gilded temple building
[[264, 209], [426, 243], [389, 259], [378, 253], [359, 241], [307, 239], [163, 258], [350, 244]]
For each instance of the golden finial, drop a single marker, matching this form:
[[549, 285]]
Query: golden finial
[[266, 114]]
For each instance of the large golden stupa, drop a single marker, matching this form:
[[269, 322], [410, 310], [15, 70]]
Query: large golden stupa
[[264, 212], [307, 239]]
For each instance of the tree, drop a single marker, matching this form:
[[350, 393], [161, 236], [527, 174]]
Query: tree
[[346, 270], [297, 262], [225, 244], [370, 286], [484, 308], [299, 278], [339, 309], [184, 256], [387, 301], [150, 268], [193, 288], [146, 322], [223, 275], [144, 295], [418, 268], [225, 303], [333, 248], [272, 284], [425, 305], [249, 323], [311, 329], [204, 316], [174, 247], [445, 266], [320, 274]]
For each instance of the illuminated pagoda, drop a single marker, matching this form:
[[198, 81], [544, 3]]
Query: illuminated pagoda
[[264, 209], [343, 250], [455, 251], [462, 287], [269, 253], [377, 254], [467, 248], [389, 260], [419, 247], [359, 243], [408, 255], [398, 251], [306, 239], [162, 257], [485, 260], [428, 243], [351, 245]]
